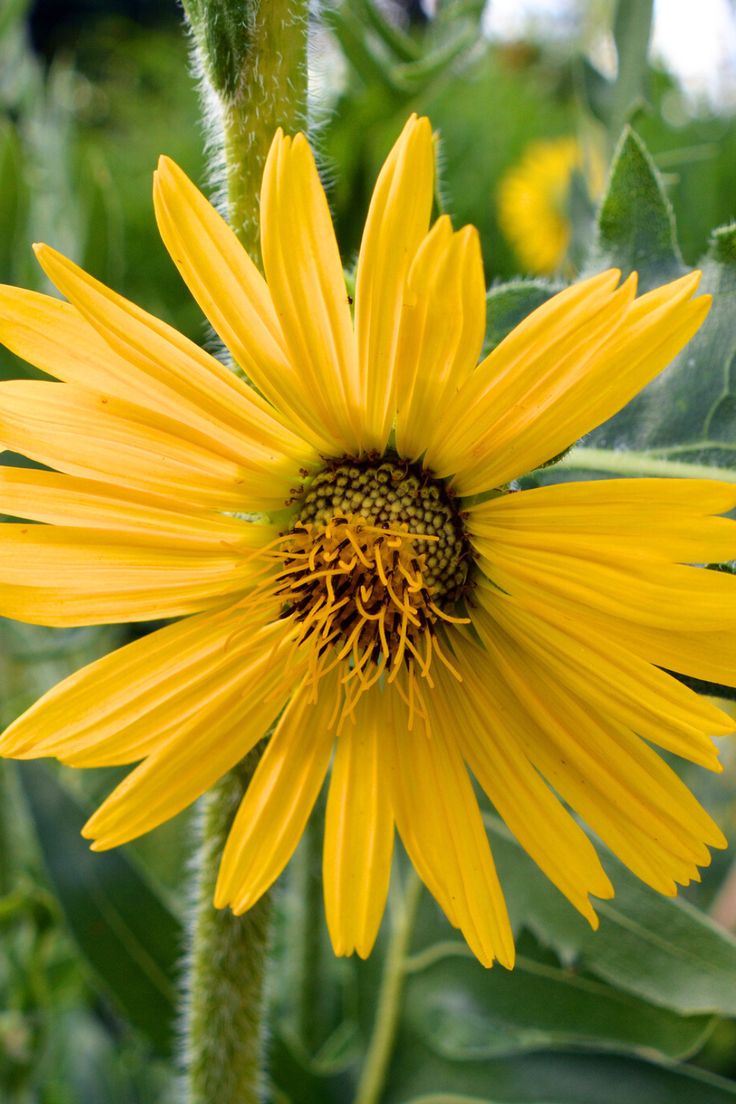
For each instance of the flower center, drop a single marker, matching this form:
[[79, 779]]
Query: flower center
[[371, 569], [390, 495]]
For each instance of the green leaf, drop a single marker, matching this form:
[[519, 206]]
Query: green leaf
[[689, 412], [128, 935], [508, 304], [466, 1012], [659, 948], [419, 1076], [636, 230]]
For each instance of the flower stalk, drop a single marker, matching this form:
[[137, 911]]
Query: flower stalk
[[252, 58]]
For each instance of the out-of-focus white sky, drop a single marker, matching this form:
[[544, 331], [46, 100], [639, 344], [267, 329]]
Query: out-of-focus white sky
[[696, 39]]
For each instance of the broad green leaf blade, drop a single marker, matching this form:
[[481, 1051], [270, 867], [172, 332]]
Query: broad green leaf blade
[[420, 1076], [508, 304], [465, 1012], [688, 414], [636, 230], [131, 939], [660, 948]]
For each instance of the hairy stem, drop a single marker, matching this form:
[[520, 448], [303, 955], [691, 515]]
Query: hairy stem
[[253, 55], [226, 969]]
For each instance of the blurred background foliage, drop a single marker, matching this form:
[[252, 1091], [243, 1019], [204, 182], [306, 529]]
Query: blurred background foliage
[[91, 92]]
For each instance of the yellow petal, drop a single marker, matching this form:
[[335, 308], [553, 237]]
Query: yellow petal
[[439, 822], [442, 328], [568, 383], [709, 655], [65, 500], [667, 519], [508, 375], [626, 688], [398, 219], [95, 436], [231, 292], [279, 799], [305, 275], [359, 833], [624, 791], [486, 721], [54, 575], [146, 361], [231, 715], [644, 592], [122, 707]]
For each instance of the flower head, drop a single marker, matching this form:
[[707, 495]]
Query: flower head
[[534, 198], [344, 561]]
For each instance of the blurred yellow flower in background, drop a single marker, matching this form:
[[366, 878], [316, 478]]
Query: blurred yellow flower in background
[[392, 608], [534, 200]]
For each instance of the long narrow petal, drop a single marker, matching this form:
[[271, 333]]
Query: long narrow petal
[[279, 799], [54, 575], [439, 822], [229, 716], [442, 328], [485, 719], [513, 368], [359, 833], [231, 292], [118, 709], [94, 436], [398, 219], [160, 365], [566, 387], [623, 789], [626, 688], [305, 275], [669, 596], [58, 499], [664, 519]]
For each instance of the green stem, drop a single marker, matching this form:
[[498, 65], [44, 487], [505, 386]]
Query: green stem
[[308, 967], [380, 1048], [639, 463], [226, 969], [279, 53], [253, 54]]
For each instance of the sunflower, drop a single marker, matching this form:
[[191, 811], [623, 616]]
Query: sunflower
[[345, 563], [534, 200]]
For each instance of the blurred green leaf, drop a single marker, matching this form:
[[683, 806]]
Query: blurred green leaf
[[125, 931], [466, 1012], [401, 45], [660, 948], [419, 1076], [636, 230]]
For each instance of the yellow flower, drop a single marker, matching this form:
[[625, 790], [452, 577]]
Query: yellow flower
[[534, 200], [392, 604]]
